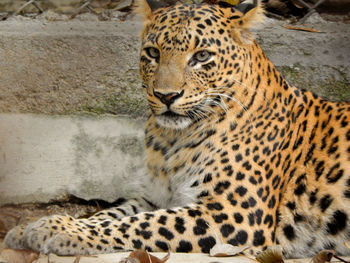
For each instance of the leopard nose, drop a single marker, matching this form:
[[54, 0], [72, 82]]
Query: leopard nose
[[168, 98]]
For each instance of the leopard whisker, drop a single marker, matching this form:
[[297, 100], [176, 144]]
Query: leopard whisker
[[257, 91], [250, 115], [220, 104]]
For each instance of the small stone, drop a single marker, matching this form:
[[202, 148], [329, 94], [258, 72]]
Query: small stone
[[87, 17], [113, 15], [314, 18], [123, 4], [51, 16]]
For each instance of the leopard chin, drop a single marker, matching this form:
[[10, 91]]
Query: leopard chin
[[172, 120]]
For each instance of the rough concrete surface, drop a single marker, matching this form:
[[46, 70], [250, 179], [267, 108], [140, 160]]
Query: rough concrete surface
[[65, 67], [319, 62], [43, 157], [60, 6]]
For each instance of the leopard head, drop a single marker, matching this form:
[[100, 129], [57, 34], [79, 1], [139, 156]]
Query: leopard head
[[191, 56]]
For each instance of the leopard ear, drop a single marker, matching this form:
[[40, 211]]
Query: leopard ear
[[142, 8], [251, 12], [246, 6], [146, 7], [243, 17]]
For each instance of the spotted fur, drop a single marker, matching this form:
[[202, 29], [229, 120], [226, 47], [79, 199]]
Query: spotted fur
[[235, 153]]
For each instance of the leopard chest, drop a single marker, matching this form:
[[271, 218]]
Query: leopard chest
[[177, 163], [220, 160]]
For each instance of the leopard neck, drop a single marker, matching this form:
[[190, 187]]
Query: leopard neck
[[259, 86]]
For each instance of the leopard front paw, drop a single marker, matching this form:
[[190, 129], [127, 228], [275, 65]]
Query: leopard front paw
[[62, 235], [15, 238], [54, 234], [38, 235]]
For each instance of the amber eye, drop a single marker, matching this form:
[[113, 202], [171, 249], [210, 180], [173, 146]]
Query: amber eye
[[152, 52], [202, 56]]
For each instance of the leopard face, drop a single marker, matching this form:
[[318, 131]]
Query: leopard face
[[189, 62]]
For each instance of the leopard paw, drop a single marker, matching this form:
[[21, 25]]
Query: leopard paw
[[15, 238], [38, 234], [64, 244], [62, 235], [53, 234]]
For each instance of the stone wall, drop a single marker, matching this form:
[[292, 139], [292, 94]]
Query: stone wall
[[65, 6]]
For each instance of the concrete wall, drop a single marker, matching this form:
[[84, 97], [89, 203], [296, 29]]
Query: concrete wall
[[57, 5], [65, 67], [43, 157]]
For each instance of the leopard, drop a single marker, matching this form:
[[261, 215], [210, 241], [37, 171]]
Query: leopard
[[235, 154]]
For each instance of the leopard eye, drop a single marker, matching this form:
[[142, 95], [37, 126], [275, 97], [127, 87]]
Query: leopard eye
[[153, 52], [202, 56]]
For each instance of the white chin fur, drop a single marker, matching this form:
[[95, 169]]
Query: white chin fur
[[178, 123]]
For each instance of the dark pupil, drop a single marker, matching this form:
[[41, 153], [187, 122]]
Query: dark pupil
[[154, 52], [202, 55]]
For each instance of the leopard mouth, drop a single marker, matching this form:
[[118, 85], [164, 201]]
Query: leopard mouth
[[170, 119], [171, 114]]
